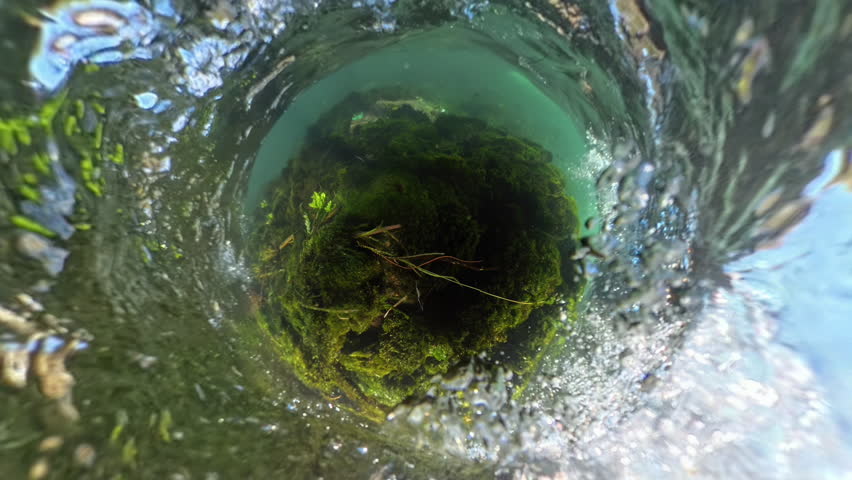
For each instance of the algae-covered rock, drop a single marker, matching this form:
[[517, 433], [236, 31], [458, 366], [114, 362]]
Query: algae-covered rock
[[392, 249]]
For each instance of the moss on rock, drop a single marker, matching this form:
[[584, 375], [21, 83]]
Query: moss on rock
[[391, 250]]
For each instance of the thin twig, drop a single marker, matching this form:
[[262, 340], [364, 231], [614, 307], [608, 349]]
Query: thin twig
[[288, 241], [326, 310], [421, 255], [269, 274], [418, 269], [395, 305], [378, 230], [461, 284], [454, 260]]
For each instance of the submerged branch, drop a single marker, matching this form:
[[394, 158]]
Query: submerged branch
[[461, 284], [378, 230], [326, 310], [396, 305], [403, 262], [287, 242], [455, 261]]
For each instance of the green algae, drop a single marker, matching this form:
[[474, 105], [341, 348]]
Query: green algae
[[17, 132], [29, 193], [71, 126], [99, 135], [117, 157], [25, 223], [402, 242], [90, 175], [88, 143], [41, 163]]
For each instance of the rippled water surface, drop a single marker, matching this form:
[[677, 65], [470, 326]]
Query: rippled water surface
[[707, 142]]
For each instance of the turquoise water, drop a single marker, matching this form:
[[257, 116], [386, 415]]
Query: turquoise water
[[449, 68]]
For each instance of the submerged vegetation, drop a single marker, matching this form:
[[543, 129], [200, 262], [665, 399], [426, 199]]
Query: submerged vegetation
[[392, 249]]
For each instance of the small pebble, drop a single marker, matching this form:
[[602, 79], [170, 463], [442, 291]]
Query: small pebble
[[84, 455], [32, 245], [13, 370], [15, 322], [57, 384], [40, 249], [29, 303], [66, 410], [50, 443], [101, 19], [41, 286], [144, 361], [39, 469]]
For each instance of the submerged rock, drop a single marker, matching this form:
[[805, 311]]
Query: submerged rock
[[390, 251]]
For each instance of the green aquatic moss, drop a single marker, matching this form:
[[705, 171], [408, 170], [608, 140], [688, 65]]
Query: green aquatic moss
[[25, 223], [118, 157], [41, 163], [17, 132], [29, 193], [71, 126], [393, 250], [89, 174], [88, 142], [99, 135], [7, 141]]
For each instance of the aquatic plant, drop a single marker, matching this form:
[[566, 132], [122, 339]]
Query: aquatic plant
[[324, 209], [401, 247]]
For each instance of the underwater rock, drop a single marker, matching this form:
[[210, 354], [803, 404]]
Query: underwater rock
[[392, 250]]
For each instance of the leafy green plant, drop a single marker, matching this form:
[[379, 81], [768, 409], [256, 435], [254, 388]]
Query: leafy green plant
[[321, 202], [325, 209]]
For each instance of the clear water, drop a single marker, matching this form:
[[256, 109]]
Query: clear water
[[448, 67], [710, 142]]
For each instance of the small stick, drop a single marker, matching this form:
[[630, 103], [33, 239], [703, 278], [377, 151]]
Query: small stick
[[288, 241], [395, 305], [393, 237], [452, 260], [378, 230], [420, 270], [330, 216], [421, 255], [327, 310]]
